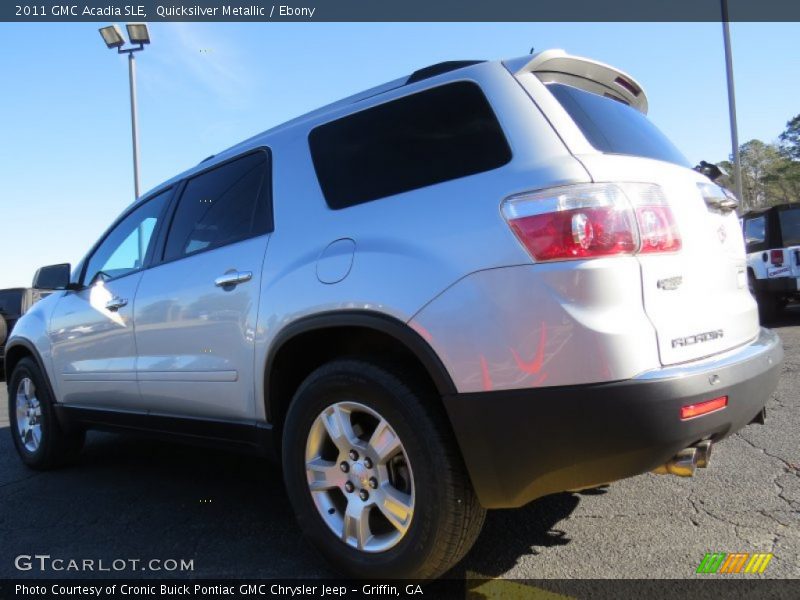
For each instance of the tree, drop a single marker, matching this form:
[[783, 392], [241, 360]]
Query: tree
[[790, 139], [769, 176]]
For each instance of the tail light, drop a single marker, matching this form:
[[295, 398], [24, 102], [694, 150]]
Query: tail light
[[776, 257], [593, 220]]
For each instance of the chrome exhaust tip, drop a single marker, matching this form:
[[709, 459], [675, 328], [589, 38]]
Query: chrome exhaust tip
[[683, 464], [703, 454]]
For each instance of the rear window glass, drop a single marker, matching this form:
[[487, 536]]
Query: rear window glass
[[430, 137], [11, 302], [790, 226], [614, 127]]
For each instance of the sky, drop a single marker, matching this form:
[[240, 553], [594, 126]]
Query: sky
[[65, 140]]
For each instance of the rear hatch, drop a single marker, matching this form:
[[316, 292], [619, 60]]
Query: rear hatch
[[696, 297]]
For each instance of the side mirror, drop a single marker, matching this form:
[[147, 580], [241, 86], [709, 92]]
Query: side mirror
[[52, 277]]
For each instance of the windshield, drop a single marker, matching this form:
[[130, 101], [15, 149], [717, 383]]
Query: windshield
[[614, 127], [790, 226]]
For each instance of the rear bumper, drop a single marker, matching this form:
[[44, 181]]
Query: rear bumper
[[778, 285], [519, 445]]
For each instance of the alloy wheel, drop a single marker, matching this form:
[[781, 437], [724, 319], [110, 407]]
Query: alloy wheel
[[360, 477], [29, 415]]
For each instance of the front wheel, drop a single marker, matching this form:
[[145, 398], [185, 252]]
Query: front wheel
[[40, 440], [374, 475]]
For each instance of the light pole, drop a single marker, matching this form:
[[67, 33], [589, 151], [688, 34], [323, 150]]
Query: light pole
[[138, 36], [737, 163]]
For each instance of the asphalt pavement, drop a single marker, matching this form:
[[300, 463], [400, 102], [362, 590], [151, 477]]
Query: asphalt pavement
[[129, 498]]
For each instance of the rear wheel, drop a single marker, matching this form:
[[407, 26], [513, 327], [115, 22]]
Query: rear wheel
[[374, 475], [38, 437]]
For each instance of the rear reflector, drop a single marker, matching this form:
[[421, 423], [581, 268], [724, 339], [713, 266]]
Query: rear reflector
[[703, 408]]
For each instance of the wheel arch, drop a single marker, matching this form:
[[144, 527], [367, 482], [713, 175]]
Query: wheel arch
[[18, 349], [316, 339]]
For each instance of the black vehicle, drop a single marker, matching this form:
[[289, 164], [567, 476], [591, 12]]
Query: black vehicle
[[772, 237], [14, 302]]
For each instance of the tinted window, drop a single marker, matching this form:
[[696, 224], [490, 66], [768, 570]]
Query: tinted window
[[614, 127], [124, 249], [790, 226], [433, 136], [11, 303], [755, 230], [223, 205]]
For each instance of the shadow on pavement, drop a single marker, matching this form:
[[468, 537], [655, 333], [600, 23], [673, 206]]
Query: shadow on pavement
[[131, 497], [508, 535]]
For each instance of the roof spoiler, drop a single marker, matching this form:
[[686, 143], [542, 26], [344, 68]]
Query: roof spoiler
[[578, 70]]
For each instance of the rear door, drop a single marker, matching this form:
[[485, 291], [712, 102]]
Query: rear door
[[196, 311]]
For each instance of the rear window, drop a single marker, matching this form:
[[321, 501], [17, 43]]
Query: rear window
[[614, 127], [11, 302], [790, 226], [426, 138]]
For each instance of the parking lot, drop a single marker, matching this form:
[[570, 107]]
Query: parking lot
[[129, 498]]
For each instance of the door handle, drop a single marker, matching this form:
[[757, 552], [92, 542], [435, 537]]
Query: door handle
[[233, 278], [116, 303]]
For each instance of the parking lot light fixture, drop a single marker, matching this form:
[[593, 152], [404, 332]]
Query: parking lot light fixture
[[137, 33], [112, 36], [138, 36]]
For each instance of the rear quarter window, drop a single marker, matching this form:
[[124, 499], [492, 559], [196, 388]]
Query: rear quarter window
[[755, 230], [430, 137]]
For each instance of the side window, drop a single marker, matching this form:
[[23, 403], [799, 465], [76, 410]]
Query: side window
[[755, 230], [221, 206], [124, 250], [426, 138], [790, 226]]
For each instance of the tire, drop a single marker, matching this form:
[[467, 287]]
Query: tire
[[770, 307], [438, 517], [47, 446]]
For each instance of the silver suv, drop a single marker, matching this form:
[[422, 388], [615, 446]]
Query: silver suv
[[464, 289]]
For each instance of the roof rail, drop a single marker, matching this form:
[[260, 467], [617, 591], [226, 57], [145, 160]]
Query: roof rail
[[439, 68]]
